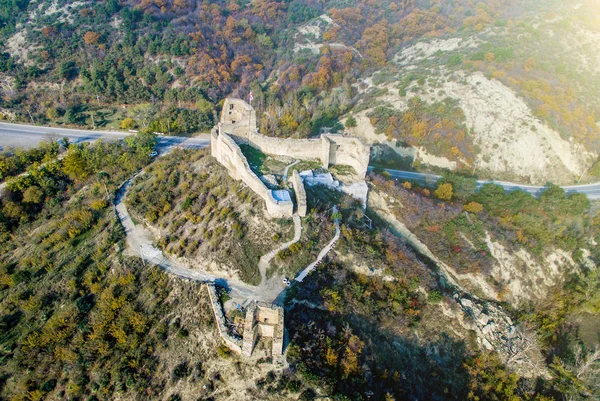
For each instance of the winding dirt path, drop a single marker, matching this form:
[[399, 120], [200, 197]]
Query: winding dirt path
[[140, 243]]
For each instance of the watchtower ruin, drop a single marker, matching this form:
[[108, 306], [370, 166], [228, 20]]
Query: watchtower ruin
[[264, 321]]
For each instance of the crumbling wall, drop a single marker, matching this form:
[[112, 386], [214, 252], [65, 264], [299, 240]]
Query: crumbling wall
[[239, 119], [298, 185], [349, 151], [304, 149], [238, 112], [229, 154], [263, 319], [233, 343]]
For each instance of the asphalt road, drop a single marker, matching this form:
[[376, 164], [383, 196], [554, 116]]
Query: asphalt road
[[29, 136], [591, 190]]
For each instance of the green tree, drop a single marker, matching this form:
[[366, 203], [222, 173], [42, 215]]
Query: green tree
[[351, 122], [204, 106], [33, 194], [74, 165], [71, 115], [143, 113]]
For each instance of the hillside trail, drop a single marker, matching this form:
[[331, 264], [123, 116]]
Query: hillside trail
[[285, 172], [140, 243], [302, 275], [264, 261]]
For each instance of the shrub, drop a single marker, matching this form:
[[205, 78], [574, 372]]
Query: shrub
[[128, 123], [473, 207], [181, 371], [223, 351], [351, 122], [444, 192], [434, 297]]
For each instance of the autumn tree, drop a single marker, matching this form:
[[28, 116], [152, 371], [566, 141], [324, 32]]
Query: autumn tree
[[128, 123], [33, 194], [74, 164], [444, 192], [473, 207], [91, 38]]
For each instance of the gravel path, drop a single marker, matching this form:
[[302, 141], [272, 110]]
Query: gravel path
[[285, 172], [140, 243]]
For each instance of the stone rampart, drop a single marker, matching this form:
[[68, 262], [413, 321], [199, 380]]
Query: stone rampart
[[229, 154], [350, 151], [303, 149], [298, 185], [233, 343], [239, 119]]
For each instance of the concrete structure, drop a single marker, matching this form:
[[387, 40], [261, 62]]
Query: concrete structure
[[298, 185], [264, 321]]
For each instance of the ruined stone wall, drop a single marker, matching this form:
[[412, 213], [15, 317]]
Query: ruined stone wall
[[250, 332], [349, 151], [277, 347], [264, 320], [233, 343], [298, 185], [239, 119], [229, 154], [304, 149]]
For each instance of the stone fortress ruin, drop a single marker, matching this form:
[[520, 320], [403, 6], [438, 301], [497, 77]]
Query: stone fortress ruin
[[259, 326], [263, 322], [238, 125]]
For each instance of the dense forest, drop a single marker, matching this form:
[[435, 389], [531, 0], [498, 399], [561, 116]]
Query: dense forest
[[165, 65]]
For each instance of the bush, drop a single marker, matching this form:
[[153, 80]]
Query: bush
[[434, 297], [444, 192], [128, 123], [351, 122], [223, 351], [181, 371], [473, 207]]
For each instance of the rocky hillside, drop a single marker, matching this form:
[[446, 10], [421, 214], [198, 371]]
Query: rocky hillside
[[500, 89]]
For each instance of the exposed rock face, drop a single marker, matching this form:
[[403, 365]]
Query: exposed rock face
[[524, 278], [493, 326], [496, 331]]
